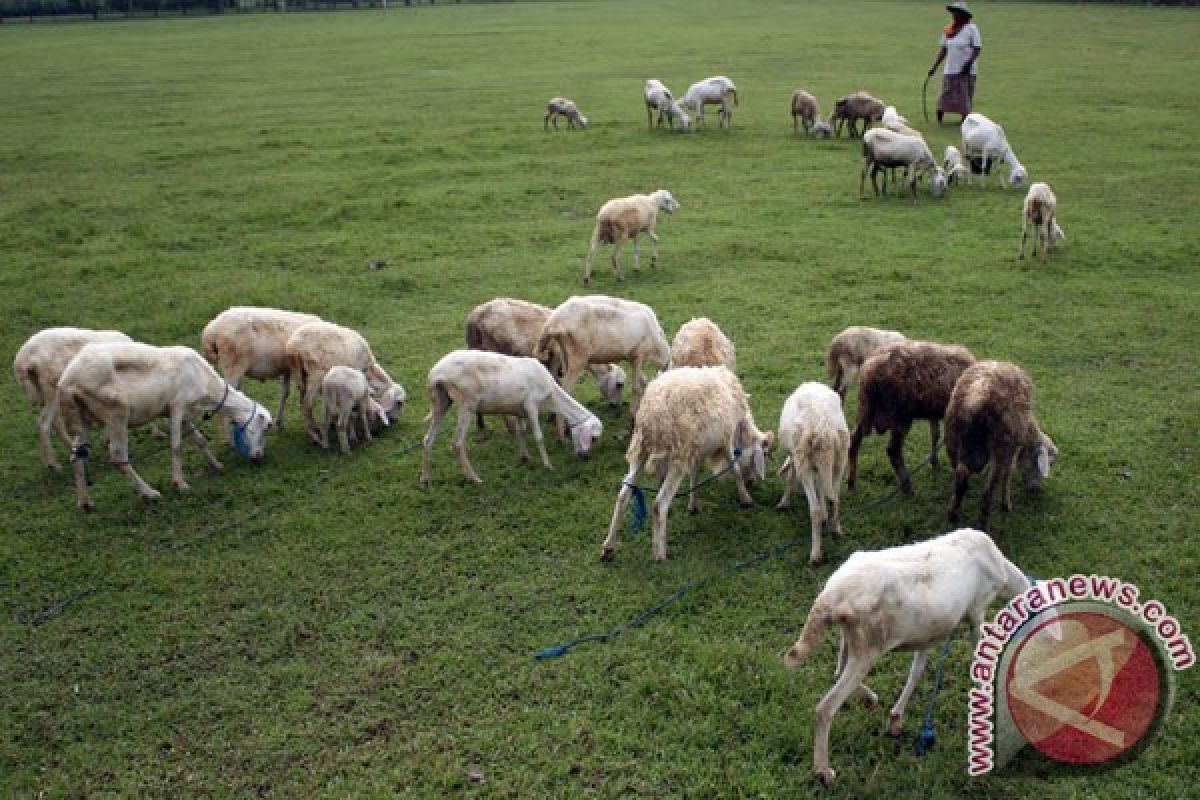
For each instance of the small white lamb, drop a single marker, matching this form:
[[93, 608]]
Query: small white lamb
[[344, 393], [1039, 210]]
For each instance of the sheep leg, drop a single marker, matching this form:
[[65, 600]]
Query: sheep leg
[[531, 411], [961, 474], [852, 455], [176, 433], [616, 253], [48, 420], [834, 499], [662, 507], [1044, 234], [858, 664], [364, 415], [83, 497], [1021, 252], [788, 473], [614, 527], [895, 452], [343, 423], [875, 169], [117, 430], [650, 118], [202, 445], [639, 386], [459, 445], [744, 498], [327, 421], [693, 501], [865, 696], [933, 443], [816, 513], [862, 178], [568, 385], [311, 387], [653, 246], [637, 254], [587, 262], [920, 658], [439, 402], [285, 386]]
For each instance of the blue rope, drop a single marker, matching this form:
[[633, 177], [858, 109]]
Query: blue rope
[[926, 739], [638, 512]]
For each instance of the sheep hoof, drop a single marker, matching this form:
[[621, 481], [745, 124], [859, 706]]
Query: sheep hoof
[[782, 506], [216, 466], [953, 517], [895, 729], [475, 479], [815, 561], [152, 495], [870, 700], [87, 506], [181, 486], [825, 775], [606, 554], [54, 466], [746, 503]]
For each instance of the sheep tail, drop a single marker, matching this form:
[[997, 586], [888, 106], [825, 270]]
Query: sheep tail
[[438, 398], [818, 619]]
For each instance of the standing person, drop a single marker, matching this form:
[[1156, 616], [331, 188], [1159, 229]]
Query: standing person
[[960, 46]]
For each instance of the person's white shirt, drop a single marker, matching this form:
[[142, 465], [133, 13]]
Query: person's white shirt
[[960, 48]]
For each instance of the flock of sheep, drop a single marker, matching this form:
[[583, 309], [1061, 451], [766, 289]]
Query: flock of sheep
[[523, 359]]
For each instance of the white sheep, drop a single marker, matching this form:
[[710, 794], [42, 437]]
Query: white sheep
[[480, 382], [691, 416], [561, 106], [814, 434], [849, 349], [984, 142], [127, 384], [1039, 210], [345, 393], [624, 218], [904, 598], [715, 91], [40, 363], [660, 100], [248, 341], [700, 343], [318, 346], [894, 121], [596, 329], [884, 149], [956, 167]]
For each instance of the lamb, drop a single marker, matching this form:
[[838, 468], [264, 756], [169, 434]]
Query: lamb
[[804, 109], [813, 432], [714, 91], [344, 392], [900, 383], [124, 384], [561, 106], [983, 142], [245, 340], [1039, 209], [491, 383], [990, 422], [659, 99], [690, 416], [955, 166], [849, 349], [512, 327], [852, 108], [38, 366], [596, 329], [883, 148], [624, 218], [700, 343], [315, 348], [904, 598]]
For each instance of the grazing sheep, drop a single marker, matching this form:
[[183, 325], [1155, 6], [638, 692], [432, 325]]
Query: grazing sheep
[[344, 392], [957, 171], [624, 218], [900, 383], [38, 366], [491, 383], [512, 327], [804, 109], [1039, 209], [690, 416], [700, 343], [246, 341], [128, 384], [595, 329], [813, 432], [561, 106], [990, 422], [659, 99], [313, 349], [983, 142], [893, 121], [883, 148], [851, 109], [904, 598], [714, 91], [849, 349]]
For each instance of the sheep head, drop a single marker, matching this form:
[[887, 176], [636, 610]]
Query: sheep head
[[665, 201], [1035, 460], [586, 434], [1056, 234], [937, 181], [822, 130], [250, 437], [612, 384], [685, 122]]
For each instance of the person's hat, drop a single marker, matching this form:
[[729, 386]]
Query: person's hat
[[961, 7]]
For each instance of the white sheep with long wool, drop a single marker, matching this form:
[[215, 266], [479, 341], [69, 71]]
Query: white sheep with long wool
[[660, 101], [346, 397], [849, 349], [701, 343], [127, 384], [910, 597], [814, 434], [40, 363], [715, 91], [884, 149], [479, 382], [562, 107], [313, 349], [623, 218], [597, 329], [1039, 210], [984, 141], [690, 416]]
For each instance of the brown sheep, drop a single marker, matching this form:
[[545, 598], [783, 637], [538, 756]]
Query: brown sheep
[[900, 383], [852, 108]]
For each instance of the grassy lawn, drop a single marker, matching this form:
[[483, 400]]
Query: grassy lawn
[[320, 626]]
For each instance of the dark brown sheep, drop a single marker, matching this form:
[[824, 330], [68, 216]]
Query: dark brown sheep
[[990, 422], [852, 108], [900, 383]]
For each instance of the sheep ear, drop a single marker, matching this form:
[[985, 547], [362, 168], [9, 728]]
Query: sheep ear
[[1043, 462]]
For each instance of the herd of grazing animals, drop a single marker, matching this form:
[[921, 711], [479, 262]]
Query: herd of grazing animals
[[523, 360]]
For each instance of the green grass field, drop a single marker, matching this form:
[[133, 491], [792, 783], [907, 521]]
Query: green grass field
[[320, 626]]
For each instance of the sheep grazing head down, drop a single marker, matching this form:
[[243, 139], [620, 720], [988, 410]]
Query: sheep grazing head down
[[1018, 177], [586, 434], [582, 121], [685, 122], [1034, 462], [937, 182], [612, 384], [665, 201], [822, 130], [250, 438], [391, 401]]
